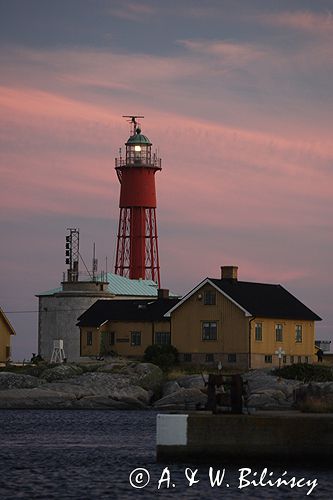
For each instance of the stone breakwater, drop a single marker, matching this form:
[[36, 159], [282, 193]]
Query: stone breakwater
[[124, 385]]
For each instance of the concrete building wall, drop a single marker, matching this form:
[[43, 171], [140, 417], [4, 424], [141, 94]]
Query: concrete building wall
[[57, 320]]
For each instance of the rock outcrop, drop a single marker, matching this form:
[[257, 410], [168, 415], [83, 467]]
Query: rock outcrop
[[124, 384], [61, 372], [267, 392], [184, 399], [88, 390], [10, 380]]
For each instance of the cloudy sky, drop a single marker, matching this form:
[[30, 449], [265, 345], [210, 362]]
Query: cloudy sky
[[237, 96]]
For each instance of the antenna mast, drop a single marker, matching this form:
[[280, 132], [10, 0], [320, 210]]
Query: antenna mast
[[133, 122]]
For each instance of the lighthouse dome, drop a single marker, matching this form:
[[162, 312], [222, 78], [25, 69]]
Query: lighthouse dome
[[138, 138]]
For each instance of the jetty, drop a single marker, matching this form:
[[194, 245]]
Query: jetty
[[274, 435]]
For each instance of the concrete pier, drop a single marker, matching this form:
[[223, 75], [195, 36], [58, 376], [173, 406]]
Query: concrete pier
[[272, 435]]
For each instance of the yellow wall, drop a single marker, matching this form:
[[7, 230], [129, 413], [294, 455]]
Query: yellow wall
[[269, 345], [4, 338], [122, 331], [187, 319]]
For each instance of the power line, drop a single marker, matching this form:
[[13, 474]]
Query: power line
[[43, 311]]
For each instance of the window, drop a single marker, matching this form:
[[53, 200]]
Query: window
[[284, 359], [268, 358], [209, 330], [89, 338], [306, 360], [299, 359], [292, 359], [210, 298], [278, 332], [298, 333], [209, 358], [135, 338], [163, 338], [187, 357], [258, 331], [232, 358], [110, 338]]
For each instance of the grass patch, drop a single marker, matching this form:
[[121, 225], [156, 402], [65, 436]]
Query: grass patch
[[181, 370], [312, 405], [306, 372]]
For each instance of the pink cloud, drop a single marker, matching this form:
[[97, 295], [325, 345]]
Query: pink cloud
[[132, 11], [316, 23], [234, 52]]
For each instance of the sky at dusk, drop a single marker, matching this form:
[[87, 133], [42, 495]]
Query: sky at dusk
[[237, 96]]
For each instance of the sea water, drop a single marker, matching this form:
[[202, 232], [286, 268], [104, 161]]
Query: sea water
[[51, 454]]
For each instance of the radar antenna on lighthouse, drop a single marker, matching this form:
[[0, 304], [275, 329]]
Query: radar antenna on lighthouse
[[137, 243]]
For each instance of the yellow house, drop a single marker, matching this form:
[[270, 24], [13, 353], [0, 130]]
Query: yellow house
[[6, 330], [242, 324], [126, 327]]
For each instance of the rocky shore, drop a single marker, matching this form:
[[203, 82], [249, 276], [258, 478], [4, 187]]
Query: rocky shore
[[131, 385]]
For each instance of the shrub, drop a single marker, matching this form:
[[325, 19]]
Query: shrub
[[105, 349], [164, 356], [306, 372]]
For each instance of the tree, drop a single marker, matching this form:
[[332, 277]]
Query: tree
[[164, 356]]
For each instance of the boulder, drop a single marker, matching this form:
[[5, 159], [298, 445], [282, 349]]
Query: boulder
[[9, 380], [191, 381], [146, 375], [170, 387], [182, 399], [268, 392], [269, 399]]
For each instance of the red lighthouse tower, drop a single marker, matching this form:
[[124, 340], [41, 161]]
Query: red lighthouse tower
[[137, 248]]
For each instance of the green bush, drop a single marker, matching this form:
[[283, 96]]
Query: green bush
[[164, 356], [306, 372], [105, 349]]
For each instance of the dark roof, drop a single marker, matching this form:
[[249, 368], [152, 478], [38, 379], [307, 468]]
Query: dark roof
[[266, 300], [126, 310]]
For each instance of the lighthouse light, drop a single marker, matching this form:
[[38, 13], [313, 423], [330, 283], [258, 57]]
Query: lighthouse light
[[137, 148]]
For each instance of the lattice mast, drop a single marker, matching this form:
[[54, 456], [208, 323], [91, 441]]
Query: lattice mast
[[72, 253], [137, 244]]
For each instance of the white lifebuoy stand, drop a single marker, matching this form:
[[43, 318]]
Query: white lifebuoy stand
[[58, 353]]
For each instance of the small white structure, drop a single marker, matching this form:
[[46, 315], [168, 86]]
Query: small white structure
[[58, 353], [280, 353]]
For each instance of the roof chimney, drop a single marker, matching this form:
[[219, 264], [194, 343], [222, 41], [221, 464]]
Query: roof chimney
[[229, 273], [162, 293]]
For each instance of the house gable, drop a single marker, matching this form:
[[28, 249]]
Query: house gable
[[7, 323], [197, 289]]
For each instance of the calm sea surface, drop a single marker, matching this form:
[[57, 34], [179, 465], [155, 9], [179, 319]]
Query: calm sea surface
[[90, 455]]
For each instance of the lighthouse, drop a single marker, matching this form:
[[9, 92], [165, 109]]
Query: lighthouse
[[137, 243]]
